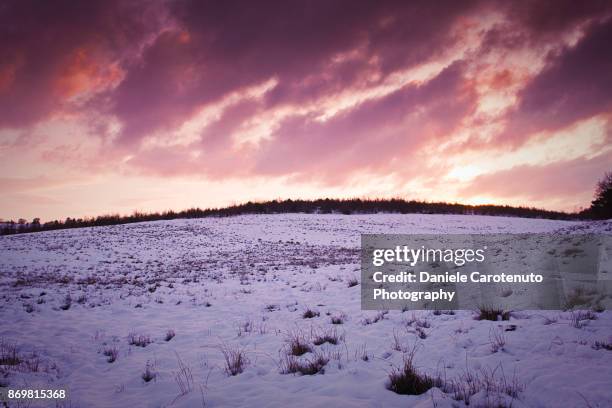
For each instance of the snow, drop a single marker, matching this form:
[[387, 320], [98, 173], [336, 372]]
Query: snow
[[243, 283]]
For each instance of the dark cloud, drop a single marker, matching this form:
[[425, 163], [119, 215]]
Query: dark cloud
[[221, 47], [48, 49], [552, 17], [153, 65], [574, 85]]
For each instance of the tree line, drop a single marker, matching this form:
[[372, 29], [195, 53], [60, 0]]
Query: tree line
[[601, 208], [320, 206]]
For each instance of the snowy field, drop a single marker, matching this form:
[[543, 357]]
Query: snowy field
[[244, 311]]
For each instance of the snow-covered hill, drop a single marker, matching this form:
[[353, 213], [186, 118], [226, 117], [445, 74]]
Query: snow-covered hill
[[101, 310]]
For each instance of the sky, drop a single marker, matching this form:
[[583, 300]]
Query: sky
[[116, 106]]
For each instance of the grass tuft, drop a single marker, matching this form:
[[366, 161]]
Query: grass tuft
[[309, 314], [139, 340], [169, 335], [297, 344], [235, 360], [329, 336], [407, 380], [309, 366], [492, 313], [111, 354], [149, 373]]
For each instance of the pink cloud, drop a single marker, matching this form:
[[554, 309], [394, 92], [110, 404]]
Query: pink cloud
[[127, 77], [558, 180]]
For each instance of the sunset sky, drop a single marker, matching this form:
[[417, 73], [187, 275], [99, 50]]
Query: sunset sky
[[115, 106]]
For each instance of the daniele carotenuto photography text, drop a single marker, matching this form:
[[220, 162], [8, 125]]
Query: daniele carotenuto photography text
[[340, 203]]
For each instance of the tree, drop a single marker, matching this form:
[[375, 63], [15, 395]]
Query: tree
[[601, 206]]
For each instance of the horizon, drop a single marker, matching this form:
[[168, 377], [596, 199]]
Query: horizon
[[116, 107], [285, 200]]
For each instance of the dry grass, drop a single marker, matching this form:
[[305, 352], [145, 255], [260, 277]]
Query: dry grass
[[492, 381], [309, 314], [67, 302], [183, 377], [407, 380], [170, 333], [492, 313], [326, 336], [9, 355], [579, 318], [377, 318], [139, 340], [11, 359], [305, 366], [149, 373], [497, 339], [235, 360], [297, 344], [338, 319], [111, 353], [362, 353], [605, 345]]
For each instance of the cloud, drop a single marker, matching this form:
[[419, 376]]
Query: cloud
[[557, 180], [54, 52], [317, 93], [573, 86], [379, 134], [217, 48]]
